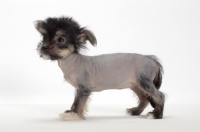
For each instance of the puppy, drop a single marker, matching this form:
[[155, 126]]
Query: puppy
[[62, 40]]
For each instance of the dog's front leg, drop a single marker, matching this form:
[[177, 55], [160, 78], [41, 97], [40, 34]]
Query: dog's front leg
[[79, 105]]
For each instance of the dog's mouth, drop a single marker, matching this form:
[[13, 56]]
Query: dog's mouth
[[49, 56], [54, 53]]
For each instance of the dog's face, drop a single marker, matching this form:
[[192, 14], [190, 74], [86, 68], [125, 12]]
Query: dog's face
[[61, 37]]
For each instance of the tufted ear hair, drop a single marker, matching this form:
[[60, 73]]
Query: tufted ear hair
[[39, 25], [87, 35]]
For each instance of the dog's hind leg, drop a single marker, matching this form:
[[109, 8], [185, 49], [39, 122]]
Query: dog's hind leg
[[155, 97], [142, 102], [79, 105], [157, 100]]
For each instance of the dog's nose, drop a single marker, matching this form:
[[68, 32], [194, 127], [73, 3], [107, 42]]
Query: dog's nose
[[45, 47]]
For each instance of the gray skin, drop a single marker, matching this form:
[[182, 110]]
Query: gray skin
[[113, 71]]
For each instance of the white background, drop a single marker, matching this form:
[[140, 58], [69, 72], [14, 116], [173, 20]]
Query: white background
[[169, 29]]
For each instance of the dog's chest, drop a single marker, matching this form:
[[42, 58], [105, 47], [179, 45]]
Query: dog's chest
[[69, 71]]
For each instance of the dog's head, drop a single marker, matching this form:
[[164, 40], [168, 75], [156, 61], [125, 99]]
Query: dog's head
[[61, 37]]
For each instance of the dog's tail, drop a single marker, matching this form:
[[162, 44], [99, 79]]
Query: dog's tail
[[158, 79]]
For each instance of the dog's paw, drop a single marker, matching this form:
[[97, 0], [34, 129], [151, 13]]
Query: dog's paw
[[69, 116], [150, 115], [134, 111]]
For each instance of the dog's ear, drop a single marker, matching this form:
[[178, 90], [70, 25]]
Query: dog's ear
[[87, 35], [39, 25]]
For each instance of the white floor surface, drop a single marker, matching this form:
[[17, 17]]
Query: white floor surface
[[100, 118]]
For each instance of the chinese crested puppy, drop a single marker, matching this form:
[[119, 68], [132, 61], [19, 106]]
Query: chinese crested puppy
[[62, 40]]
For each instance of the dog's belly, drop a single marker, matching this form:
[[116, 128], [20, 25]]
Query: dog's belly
[[101, 87]]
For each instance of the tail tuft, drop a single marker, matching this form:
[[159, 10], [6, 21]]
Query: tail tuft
[[158, 79]]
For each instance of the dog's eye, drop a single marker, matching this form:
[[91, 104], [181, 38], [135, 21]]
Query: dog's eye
[[60, 39]]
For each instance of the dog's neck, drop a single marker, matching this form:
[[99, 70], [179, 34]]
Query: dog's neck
[[74, 60], [73, 57]]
